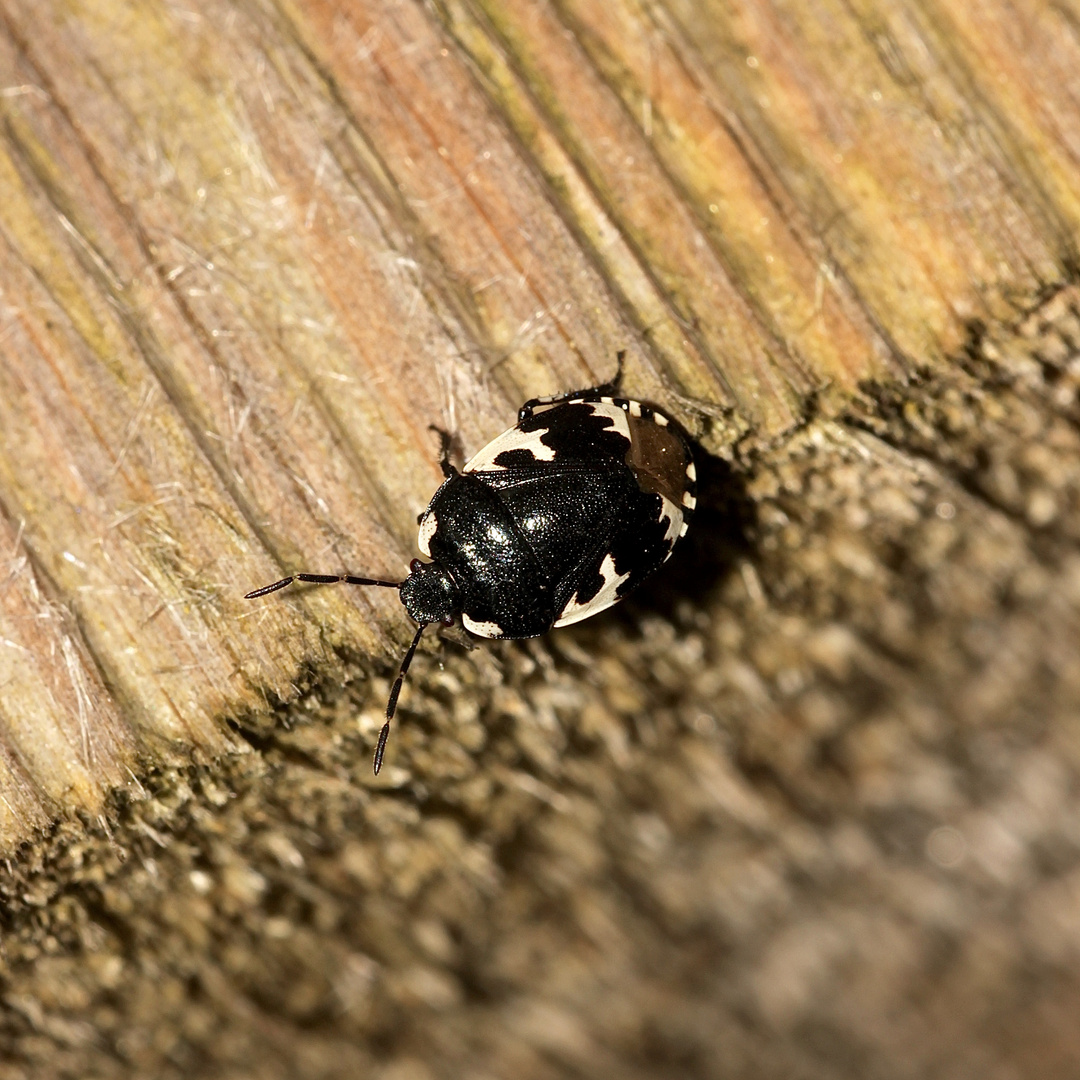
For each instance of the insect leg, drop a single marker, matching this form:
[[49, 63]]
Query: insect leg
[[611, 387], [446, 441], [391, 705]]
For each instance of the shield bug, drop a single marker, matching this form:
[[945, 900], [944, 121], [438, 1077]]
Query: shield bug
[[554, 520]]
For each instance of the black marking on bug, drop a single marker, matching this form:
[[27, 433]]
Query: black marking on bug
[[554, 520]]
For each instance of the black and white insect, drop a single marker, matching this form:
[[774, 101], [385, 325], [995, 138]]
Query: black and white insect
[[555, 520]]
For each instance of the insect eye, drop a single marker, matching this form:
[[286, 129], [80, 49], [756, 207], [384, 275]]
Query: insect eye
[[447, 620], [416, 565]]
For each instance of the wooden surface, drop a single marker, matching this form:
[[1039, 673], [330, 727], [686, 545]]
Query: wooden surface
[[250, 251]]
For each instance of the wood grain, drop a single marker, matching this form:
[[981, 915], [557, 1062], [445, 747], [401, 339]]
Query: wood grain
[[250, 252]]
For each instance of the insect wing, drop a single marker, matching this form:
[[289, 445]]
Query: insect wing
[[639, 540], [595, 532]]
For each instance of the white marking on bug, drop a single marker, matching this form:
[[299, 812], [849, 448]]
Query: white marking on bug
[[691, 472], [675, 518], [428, 525], [514, 439], [660, 418], [688, 500], [607, 401], [540, 451], [635, 408], [481, 628], [685, 528], [608, 595], [619, 422]]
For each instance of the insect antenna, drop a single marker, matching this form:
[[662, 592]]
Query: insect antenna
[[319, 579], [351, 579], [391, 705]]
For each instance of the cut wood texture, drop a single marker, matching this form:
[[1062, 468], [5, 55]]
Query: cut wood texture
[[250, 252]]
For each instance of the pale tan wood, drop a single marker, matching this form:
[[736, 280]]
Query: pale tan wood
[[251, 252]]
